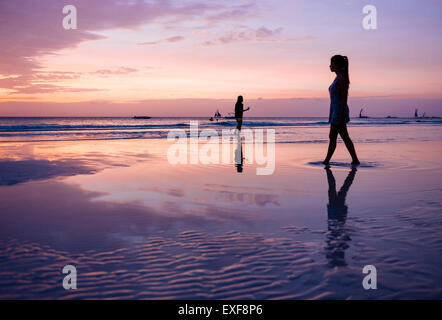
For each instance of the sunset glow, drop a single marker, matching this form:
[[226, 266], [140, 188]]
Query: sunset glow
[[135, 52]]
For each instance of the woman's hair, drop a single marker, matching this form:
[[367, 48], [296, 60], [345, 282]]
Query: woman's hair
[[342, 63], [240, 99]]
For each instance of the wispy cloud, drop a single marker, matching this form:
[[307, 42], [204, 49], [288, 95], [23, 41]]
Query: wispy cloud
[[233, 12], [259, 35], [39, 82], [38, 88], [167, 40], [43, 82], [121, 70]]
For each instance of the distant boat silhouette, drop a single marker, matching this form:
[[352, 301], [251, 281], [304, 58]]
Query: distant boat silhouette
[[361, 116], [423, 116], [216, 117], [141, 117]]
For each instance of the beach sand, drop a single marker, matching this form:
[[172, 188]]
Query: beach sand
[[136, 226]]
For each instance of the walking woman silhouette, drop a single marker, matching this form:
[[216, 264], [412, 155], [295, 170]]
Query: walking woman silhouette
[[339, 112]]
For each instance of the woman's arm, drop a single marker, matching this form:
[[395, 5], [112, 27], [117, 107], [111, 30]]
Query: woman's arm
[[343, 91]]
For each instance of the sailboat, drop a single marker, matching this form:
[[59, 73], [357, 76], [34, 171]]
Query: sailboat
[[423, 116], [216, 117], [361, 116]]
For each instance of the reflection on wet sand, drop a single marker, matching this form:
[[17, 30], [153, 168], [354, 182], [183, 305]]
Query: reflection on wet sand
[[15, 172], [337, 237], [145, 229], [258, 199], [239, 155]]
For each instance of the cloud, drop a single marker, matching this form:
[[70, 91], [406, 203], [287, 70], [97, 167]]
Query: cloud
[[38, 83], [49, 88], [264, 32], [42, 82], [121, 70], [171, 39], [249, 35], [234, 12], [260, 35], [56, 75], [31, 29]]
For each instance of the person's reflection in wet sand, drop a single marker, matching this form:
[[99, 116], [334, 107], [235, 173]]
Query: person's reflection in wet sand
[[337, 238], [239, 156]]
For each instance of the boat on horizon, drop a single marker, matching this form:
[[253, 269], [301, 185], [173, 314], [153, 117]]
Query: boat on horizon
[[141, 117], [423, 116], [362, 116], [216, 117]]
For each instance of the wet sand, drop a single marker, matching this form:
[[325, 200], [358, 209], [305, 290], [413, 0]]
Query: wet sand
[[137, 227]]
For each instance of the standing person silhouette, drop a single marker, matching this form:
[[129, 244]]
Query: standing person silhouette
[[239, 110], [339, 112]]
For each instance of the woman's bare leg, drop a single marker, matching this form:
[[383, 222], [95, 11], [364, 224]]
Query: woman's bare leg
[[349, 144], [239, 123], [333, 136]]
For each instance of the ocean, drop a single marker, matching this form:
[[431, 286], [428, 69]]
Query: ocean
[[289, 130]]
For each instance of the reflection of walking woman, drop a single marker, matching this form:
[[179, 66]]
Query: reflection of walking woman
[[339, 113], [337, 238]]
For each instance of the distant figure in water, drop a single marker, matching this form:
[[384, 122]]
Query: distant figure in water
[[339, 112], [239, 110]]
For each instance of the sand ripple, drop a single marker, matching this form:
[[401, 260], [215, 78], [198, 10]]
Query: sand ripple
[[196, 265]]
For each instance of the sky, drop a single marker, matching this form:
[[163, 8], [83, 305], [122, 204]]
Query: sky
[[189, 58]]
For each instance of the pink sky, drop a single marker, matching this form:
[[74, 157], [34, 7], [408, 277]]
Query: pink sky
[[178, 58]]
